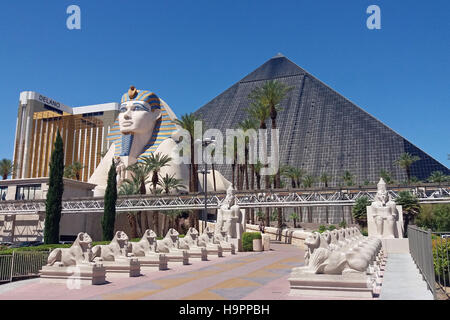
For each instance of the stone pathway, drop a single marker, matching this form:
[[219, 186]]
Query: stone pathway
[[402, 280], [248, 275]]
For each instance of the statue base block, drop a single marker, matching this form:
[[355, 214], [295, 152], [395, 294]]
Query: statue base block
[[228, 247], [331, 286], [150, 262], [395, 245], [83, 274], [214, 250], [126, 267], [198, 253], [266, 242], [237, 244], [178, 256]]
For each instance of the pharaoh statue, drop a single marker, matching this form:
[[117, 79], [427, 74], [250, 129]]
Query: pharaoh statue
[[384, 217], [145, 125], [230, 219]]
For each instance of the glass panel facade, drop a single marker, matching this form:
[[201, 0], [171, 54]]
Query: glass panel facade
[[27, 192]]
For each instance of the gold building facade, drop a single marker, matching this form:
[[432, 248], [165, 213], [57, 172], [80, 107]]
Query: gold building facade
[[83, 130]]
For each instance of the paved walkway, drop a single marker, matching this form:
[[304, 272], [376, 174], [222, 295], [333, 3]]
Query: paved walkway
[[247, 275], [402, 280]]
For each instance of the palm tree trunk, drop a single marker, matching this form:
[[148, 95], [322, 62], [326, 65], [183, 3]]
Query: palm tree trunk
[[156, 222], [132, 222]]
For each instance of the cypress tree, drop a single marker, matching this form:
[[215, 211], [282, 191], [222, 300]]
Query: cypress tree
[[53, 205], [109, 214]]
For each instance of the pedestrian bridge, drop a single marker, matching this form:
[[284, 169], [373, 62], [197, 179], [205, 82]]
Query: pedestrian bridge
[[426, 193]]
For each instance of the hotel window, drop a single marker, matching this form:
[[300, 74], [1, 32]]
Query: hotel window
[[3, 191], [27, 192]]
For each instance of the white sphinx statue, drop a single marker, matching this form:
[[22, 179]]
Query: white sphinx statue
[[384, 217], [230, 224], [117, 256], [190, 242], [145, 252], [145, 125], [75, 264], [339, 262], [173, 249], [207, 240]]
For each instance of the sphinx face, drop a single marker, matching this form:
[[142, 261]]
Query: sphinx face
[[137, 117]]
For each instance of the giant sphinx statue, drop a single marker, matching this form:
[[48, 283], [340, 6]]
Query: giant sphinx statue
[[145, 125], [384, 217]]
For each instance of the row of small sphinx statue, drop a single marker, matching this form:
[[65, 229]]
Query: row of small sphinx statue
[[122, 256], [342, 251]]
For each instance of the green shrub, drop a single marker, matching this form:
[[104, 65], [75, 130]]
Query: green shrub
[[343, 224], [441, 249], [322, 228], [331, 228], [364, 232], [247, 240]]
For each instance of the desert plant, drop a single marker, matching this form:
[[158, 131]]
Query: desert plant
[[359, 210], [247, 240]]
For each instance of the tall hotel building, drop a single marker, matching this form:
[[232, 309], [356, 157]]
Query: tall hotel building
[[84, 131]]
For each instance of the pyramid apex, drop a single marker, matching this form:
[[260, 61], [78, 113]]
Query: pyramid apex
[[279, 55]]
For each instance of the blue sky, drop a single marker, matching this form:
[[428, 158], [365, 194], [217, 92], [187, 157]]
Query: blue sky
[[190, 51]]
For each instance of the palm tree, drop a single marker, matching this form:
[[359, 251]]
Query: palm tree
[[6, 168], [294, 217], [437, 177], [405, 161], [169, 183], [386, 175], [187, 123], [130, 187], [325, 178], [348, 178], [359, 210], [270, 95], [154, 163], [77, 167], [140, 173], [308, 181], [69, 172], [288, 172], [260, 112], [247, 124], [410, 206]]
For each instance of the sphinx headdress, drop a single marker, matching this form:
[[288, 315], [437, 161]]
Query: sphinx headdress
[[163, 129]]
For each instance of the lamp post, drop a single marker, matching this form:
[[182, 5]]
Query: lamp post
[[206, 142]]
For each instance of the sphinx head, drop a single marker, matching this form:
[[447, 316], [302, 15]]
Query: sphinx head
[[139, 111], [193, 233], [121, 238], [149, 235], [84, 240]]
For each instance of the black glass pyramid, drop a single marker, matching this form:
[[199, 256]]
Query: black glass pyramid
[[320, 130]]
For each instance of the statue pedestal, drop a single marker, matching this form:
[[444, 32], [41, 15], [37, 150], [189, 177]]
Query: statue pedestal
[[372, 227], [395, 245], [198, 253], [214, 250], [177, 255], [237, 243], [151, 261], [266, 242], [82, 274], [123, 267], [331, 286]]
